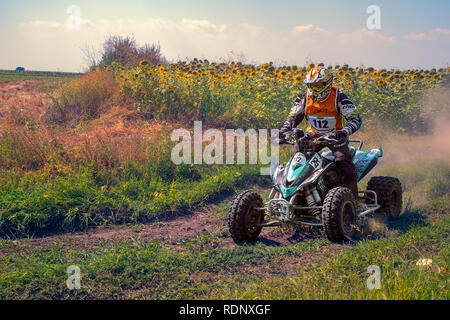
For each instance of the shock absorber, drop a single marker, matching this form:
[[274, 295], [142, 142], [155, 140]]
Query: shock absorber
[[312, 199]]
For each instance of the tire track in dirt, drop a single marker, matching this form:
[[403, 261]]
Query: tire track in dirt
[[173, 233]]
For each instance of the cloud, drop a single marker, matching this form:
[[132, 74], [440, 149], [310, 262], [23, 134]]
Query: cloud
[[203, 38], [43, 24], [365, 35], [359, 36], [417, 36], [203, 26], [435, 34], [252, 30], [309, 29]]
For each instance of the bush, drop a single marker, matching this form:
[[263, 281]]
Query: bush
[[125, 51], [81, 99]]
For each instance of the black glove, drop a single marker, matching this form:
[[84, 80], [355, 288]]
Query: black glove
[[304, 141], [338, 135], [281, 136]]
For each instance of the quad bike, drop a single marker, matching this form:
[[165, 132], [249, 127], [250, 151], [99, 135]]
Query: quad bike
[[307, 192]]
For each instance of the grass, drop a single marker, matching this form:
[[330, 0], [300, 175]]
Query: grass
[[39, 205], [155, 271], [82, 98], [8, 75], [344, 276], [130, 265]]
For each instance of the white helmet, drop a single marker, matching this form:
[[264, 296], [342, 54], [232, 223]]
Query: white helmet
[[319, 81]]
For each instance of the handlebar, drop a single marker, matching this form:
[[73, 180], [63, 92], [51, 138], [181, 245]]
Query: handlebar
[[293, 137], [357, 141]]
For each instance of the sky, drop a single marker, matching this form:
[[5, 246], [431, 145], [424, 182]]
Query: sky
[[50, 35]]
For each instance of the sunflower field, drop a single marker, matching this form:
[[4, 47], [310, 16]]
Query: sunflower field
[[242, 95]]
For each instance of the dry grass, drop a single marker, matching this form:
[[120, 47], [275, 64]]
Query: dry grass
[[82, 99], [117, 134]]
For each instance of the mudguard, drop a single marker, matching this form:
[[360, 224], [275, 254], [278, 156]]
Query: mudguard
[[365, 161]]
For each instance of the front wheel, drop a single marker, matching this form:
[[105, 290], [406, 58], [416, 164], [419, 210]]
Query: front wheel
[[339, 215], [244, 218]]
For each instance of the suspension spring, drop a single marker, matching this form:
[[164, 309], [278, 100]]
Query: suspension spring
[[312, 202]]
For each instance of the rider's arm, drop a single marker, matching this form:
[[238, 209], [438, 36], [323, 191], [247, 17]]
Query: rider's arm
[[297, 114], [348, 110]]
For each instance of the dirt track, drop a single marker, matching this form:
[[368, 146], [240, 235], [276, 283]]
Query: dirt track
[[171, 233]]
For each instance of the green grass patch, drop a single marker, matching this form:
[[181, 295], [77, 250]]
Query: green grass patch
[[35, 75], [345, 276], [155, 271], [41, 204], [108, 273]]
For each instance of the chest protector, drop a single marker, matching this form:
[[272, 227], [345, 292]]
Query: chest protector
[[323, 116]]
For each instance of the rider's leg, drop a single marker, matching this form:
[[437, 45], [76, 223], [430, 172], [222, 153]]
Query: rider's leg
[[346, 168]]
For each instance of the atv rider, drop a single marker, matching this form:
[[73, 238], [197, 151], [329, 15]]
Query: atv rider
[[325, 107]]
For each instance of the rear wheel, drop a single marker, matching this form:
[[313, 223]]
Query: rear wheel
[[389, 194], [244, 218], [339, 215]]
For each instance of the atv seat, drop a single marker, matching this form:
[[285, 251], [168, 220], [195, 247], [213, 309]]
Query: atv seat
[[329, 155]]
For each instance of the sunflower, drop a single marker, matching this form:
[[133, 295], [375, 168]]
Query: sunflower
[[298, 79], [402, 85], [143, 63], [282, 73], [311, 66], [381, 83], [375, 73], [162, 69], [149, 71], [341, 73]]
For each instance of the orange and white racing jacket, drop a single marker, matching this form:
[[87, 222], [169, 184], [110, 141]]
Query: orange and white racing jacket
[[325, 116]]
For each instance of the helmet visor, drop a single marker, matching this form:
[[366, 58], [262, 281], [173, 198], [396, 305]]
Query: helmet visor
[[317, 86]]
